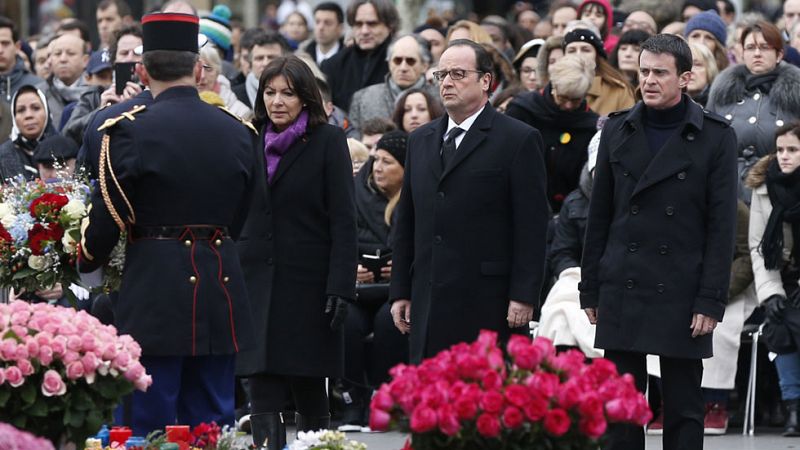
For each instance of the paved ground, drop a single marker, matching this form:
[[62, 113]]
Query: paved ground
[[766, 439]]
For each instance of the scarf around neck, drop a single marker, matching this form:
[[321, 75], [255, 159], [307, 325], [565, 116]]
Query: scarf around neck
[[784, 194], [762, 82], [277, 143], [70, 93]]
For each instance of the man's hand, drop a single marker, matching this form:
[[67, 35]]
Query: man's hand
[[363, 275], [702, 324], [401, 315], [109, 96], [386, 271], [519, 314], [131, 90], [591, 313], [54, 293]]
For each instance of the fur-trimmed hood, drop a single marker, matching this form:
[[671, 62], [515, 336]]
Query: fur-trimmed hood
[[758, 173], [730, 87]]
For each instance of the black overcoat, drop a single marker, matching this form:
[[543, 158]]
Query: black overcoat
[[660, 234], [470, 237], [298, 246]]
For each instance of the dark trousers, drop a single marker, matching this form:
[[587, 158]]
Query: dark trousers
[[186, 390], [684, 407], [268, 394]]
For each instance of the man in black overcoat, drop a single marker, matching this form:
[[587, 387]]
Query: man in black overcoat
[[161, 179], [660, 240], [472, 218]]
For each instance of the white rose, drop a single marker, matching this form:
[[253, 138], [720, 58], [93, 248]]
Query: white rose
[[68, 242], [5, 210], [75, 209], [8, 220], [37, 262]]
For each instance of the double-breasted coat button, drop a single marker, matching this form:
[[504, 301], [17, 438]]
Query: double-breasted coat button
[[634, 209], [682, 176], [669, 210], [218, 242], [193, 279], [625, 173], [779, 123], [187, 243], [437, 239], [752, 120], [729, 116], [633, 246], [663, 249], [660, 288], [690, 137], [629, 284], [757, 96]]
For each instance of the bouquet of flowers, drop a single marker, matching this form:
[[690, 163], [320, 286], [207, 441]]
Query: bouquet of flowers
[[39, 231], [14, 439], [473, 396], [62, 372], [324, 440], [205, 436]]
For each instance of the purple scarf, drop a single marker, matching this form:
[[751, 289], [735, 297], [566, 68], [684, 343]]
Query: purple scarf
[[276, 144]]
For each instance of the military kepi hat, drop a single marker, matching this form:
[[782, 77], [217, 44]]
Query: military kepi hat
[[170, 31]]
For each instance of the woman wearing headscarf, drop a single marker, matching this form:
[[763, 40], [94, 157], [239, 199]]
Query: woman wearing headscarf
[[31, 124]]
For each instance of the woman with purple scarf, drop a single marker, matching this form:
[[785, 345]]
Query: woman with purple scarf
[[298, 253]]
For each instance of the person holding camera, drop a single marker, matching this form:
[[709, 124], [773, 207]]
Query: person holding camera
[[377, 189], [774, 247]]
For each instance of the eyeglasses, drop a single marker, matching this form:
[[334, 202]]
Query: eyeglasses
[[750, 48], [455, 74], [398, 60]]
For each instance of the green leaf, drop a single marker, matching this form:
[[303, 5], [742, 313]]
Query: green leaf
[[19, 421], [76, 419], [5, 394], [81, 401], [25, 272], [27, 393], [38, 408]]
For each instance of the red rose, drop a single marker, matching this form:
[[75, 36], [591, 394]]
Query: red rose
[[466, 409], [379, 419], [492, 380], [382, 400], [516, 343], [569, 395], [492, 402], [517, 395], [448, 421], [593, 428], [39, 236], [48, 204], [4, 235], [486, 340], [543, 383], [591, 407], [423, 419], [556, 422], [488, 425], [528, 358], [571, 362], [513, 417], [536, 408]]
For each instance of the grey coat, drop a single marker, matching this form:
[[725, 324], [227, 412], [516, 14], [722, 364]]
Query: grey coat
[[379, 100]]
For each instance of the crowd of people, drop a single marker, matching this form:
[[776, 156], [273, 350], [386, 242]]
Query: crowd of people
[[486, 171]]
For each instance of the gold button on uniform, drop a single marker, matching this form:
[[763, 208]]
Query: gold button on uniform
[[218, 242], [226, 279], [187, 243], [193, 279]]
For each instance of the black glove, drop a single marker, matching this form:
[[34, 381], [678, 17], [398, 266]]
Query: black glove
[[336, 309], [774, 308]]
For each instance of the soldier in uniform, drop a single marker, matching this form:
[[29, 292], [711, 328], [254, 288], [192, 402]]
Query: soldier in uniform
[[177, 177]]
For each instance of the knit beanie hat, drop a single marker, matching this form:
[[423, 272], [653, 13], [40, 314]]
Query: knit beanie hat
[[583, 35], [394, 142], [708, 21], [217, 27]]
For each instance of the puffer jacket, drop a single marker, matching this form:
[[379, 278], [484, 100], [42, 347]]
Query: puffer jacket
[[570, 227]]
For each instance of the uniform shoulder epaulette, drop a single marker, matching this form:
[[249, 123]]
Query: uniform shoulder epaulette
[[244, 122], [126, 115], [716, 117]]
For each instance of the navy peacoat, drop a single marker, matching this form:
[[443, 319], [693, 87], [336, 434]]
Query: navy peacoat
[[660, 234]]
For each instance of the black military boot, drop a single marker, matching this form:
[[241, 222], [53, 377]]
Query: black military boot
[[269, 431], [312, 423], [791, 427]]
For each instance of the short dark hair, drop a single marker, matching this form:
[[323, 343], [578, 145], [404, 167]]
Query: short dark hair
[[792, 127], [75, 24], [303, 83], [630, 37], [132, 30], [5, 22], [435, 108], [483, 60], [123, 9], [727, 7], [385, 9], [249, 36], [672, 45], [169, 65], [332, 7], [377, 125], [271, 38], [771, 33]]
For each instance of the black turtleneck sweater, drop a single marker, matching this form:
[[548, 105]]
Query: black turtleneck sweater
[[661, 124]]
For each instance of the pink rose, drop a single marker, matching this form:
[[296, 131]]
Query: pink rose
[[8, 349], [45, 355], [492, 402], [379, 419], [88, 343], [53, 385], [14, 376], [122, 360], [90, 362], [143, 383], [2, 376], [423, 419], [59, 345], [492, 380], [135, 371], [448, 421], [109, 352], [544, 383], [22, 352], [466, 409], [488, 425], [594, 428], [556, 422], [382, 400], [74, 343], [517, 395], [25, 366], [70, 356], [513, 417], [536, 408], [75, 370], [32, 346]]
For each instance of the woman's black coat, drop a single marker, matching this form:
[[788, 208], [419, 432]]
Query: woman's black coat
[[299, 246]]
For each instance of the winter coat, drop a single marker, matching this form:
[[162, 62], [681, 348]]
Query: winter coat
[[570, 227], [298, 246], [82, 114], [565, 134], [373, 232], [352, 69], [605, 97], [18, 77], [379, 100], [660, 234], [754, 114], [16, 154]]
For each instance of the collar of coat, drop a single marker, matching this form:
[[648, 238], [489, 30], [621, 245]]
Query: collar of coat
[[694, 115], [730, 86]]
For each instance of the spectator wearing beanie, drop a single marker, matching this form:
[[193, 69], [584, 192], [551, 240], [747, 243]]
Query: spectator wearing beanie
[[707, 28], [217, 28], [55, 157], [601, 14]]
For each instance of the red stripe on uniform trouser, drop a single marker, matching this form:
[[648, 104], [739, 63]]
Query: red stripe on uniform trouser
[[196, 285], [218, 235]]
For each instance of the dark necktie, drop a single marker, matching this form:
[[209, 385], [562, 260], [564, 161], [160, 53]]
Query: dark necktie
[[449, 146]]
